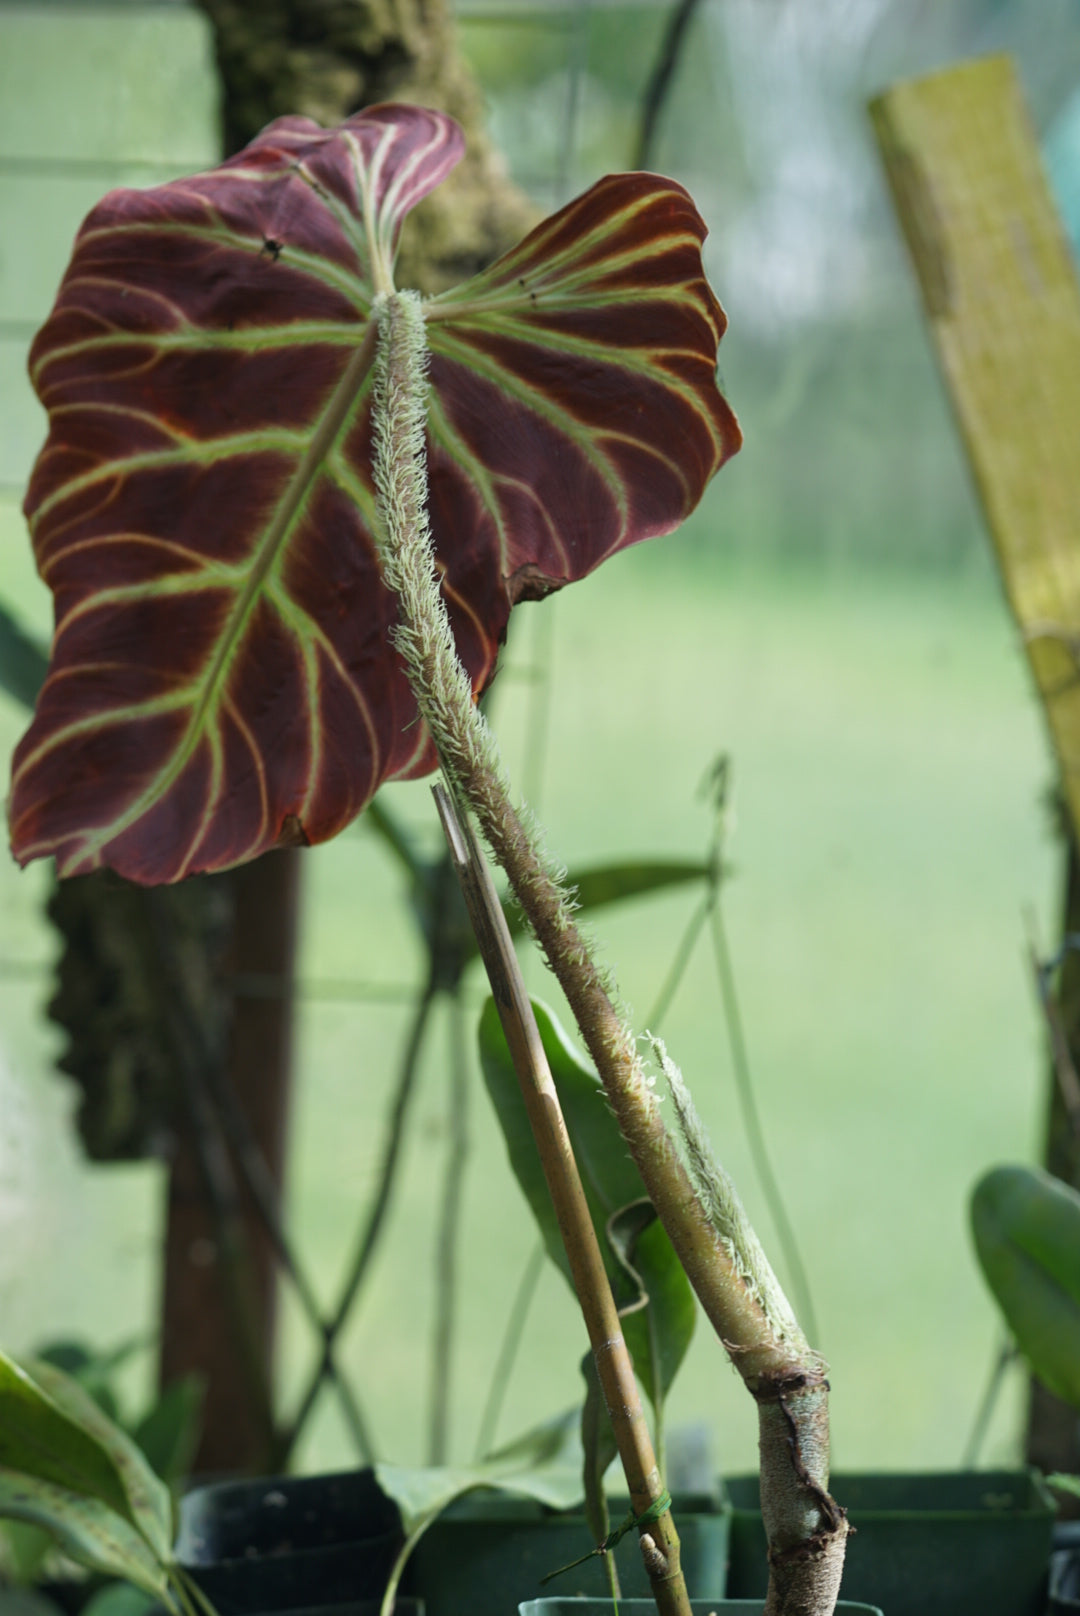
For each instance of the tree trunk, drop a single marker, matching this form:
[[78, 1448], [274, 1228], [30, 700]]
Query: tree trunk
[[328, 58], [218, 1315]]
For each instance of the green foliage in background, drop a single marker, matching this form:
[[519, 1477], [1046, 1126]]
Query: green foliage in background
[[74, 1480], [650, 1288], [1026, 1226]]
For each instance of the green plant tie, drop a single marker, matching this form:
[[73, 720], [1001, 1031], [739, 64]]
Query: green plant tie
[[658, 1507]]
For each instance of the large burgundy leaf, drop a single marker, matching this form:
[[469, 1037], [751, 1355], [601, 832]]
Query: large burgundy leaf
[[575, 407], [221, 679]]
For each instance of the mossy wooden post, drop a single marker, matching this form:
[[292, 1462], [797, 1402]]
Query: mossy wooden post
[[1001, 297]]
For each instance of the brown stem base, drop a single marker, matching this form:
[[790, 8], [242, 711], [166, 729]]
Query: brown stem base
[[806, 1528]]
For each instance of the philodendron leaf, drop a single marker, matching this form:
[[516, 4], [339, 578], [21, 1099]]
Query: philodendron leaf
[[41, 1438], [1027, 1235], [222, 679], [645, 1273], [149, 1502], [87, 1530]]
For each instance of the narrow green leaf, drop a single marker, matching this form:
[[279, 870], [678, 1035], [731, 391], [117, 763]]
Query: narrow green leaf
[[658, 1328], [147, 1500], [599, 1449], [1064, 1484], [644, 1270], [612, 883], [86, 1529], [41, 1439], [600, 884], [1027, 1236], [609, 1177]]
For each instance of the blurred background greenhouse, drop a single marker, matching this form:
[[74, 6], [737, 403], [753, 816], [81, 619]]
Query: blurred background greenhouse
[[830, 620]]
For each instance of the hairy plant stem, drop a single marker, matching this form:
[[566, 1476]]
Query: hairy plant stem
[[719, 1252]]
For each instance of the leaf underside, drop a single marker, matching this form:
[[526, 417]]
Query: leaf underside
[[221, 679]]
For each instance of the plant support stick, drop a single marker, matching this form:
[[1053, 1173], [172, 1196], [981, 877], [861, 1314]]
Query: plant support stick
[[696, 1203], [659, 1542]]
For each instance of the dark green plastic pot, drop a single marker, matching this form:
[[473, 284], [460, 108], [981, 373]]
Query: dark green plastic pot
[[1065, 1570], [487, 1553], [290, 1543], [647, 1607], [363, 1607], [975, 1543]]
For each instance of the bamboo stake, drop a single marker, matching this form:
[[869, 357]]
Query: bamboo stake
[[659, 1540]]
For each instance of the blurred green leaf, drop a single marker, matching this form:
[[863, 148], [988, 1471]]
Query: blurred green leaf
[[118, 1599], [87, 1530], [1063, 1483], [168, 1433], [43, 1440], [22, 661], [92, 1370], [1027, 1235], [611, 883], [146, 1500], [640, 1260], [73, 1357], [600, 884]]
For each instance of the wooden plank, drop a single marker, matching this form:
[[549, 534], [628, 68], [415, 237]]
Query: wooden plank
[[1002, 302]]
